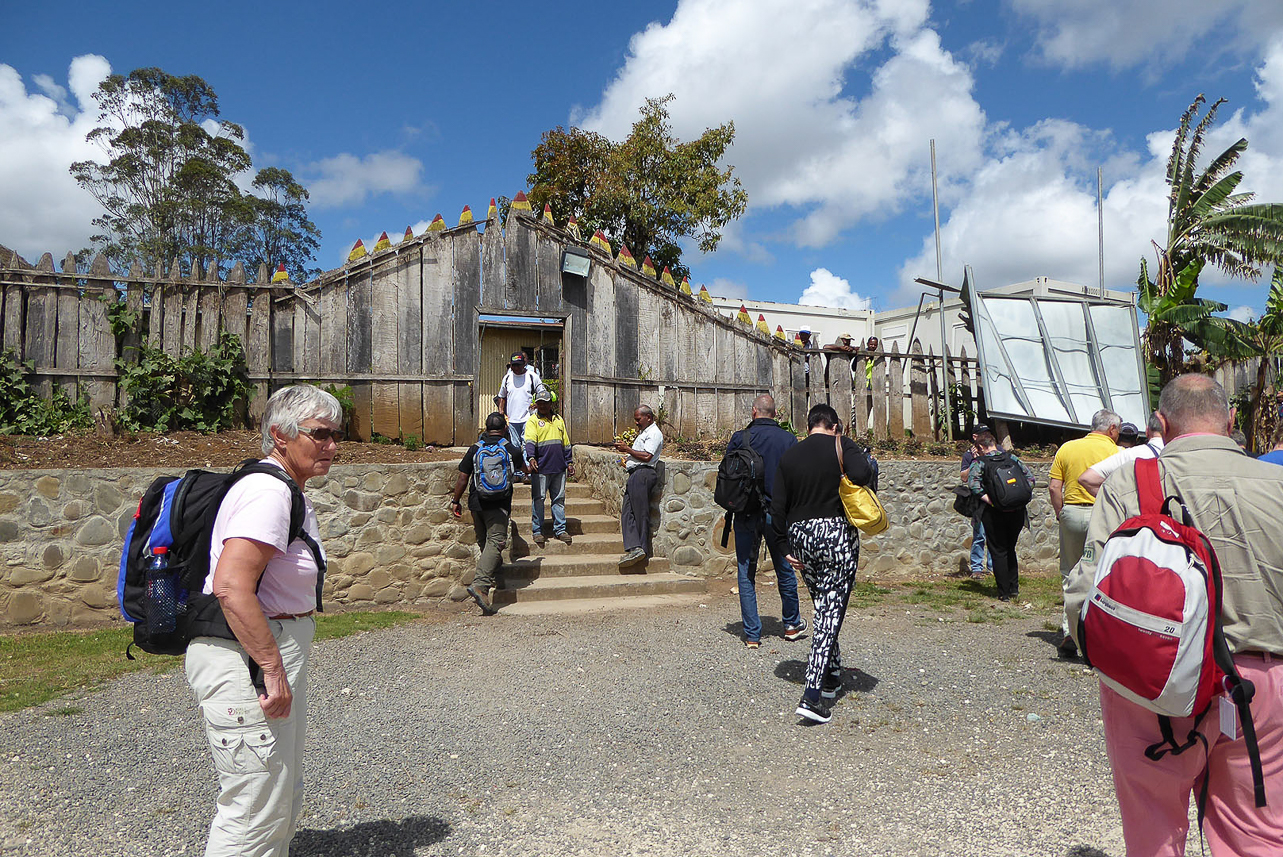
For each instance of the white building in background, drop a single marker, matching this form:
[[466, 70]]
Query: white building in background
[[894, 326], [826, 323]]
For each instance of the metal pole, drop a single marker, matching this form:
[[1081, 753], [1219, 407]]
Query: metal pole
[[1100, 225], [944, 349]]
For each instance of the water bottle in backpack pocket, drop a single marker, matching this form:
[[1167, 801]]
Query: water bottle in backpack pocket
[[162, 593]]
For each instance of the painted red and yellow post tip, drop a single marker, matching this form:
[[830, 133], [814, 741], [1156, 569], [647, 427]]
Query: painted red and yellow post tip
[[599, 241], [465, 216], [743, 316], [358, 251], [547, 214], [648, 267], [519, 202], [572, 226], [409, 233], [667, 278], [437, 224], [761, 324], [797, 340], [492, 211], [779, 332], [625, 258], [704, 295], [384, 243], [280, 276]]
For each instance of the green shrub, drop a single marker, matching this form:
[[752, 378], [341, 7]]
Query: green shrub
[[24, 411], [196, 392]]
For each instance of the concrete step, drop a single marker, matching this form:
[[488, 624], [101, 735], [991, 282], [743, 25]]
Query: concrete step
[[576, 507], [576, 525], [604, 544], [526, 568], [597, 586], [578, 490]]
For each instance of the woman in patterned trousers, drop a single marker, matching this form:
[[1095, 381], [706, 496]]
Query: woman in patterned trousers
[[807, 510]]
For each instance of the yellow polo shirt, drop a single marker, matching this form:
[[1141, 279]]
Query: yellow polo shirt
[[1074, 458]]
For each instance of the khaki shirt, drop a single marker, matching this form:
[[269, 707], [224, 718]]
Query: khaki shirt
[[1237, 502]]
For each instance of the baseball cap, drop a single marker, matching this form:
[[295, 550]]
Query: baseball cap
[[543, 394], [518, 357], [981, 427], [1128, 430]]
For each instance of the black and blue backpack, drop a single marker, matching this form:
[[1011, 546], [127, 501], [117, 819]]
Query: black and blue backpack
[[492, 467], [178, 512]]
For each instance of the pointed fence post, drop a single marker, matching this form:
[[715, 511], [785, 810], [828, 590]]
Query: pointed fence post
[[895, 395], [67, 346], [920, 405]]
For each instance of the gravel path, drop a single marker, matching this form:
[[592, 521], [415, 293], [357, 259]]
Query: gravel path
[[636, 732]]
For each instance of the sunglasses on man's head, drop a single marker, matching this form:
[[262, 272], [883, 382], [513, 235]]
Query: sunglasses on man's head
[[323, 434]]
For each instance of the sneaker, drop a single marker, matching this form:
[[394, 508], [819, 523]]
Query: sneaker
[[979, 575], [794, 632], [1067, 650], [539, 540], [632, 557], [752, 644], [562, 537], [832, 684], [814, 711], [481, 595]]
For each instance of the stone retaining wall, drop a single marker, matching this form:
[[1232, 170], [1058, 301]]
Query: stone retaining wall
[[926, 535], [391, 540], [386, 529]]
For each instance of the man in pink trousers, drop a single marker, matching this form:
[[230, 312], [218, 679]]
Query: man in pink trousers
[[1238, 503]]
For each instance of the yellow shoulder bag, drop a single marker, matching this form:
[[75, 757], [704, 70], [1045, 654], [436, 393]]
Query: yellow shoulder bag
[[860, 504]]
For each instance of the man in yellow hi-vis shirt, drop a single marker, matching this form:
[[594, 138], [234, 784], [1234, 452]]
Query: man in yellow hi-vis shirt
[[548, 457], [1072, 502]]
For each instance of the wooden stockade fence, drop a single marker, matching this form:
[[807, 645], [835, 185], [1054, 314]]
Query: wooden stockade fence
[[401, 327]]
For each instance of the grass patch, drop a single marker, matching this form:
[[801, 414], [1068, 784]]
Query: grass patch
[[38, 667], [330, 627], [865, 594], [977, 598]]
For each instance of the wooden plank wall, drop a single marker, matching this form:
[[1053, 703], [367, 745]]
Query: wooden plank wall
[[401, 328]]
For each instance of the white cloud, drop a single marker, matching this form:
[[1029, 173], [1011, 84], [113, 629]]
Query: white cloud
[[1242, 313], [1128, 33], [814, 129], [41, 135], [828, 289], [724, 287], [346, 180]]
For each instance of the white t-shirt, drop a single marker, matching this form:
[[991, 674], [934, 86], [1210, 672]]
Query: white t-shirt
[[1125, 457], [258, 508], [519, 390], [649, 439]]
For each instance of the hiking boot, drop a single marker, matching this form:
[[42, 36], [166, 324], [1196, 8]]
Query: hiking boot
[[562, 537], [632, 557], [794, 632], [538, 539], [817, 712], [481, 595]]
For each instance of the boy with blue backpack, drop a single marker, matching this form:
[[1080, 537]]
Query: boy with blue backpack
[[487, 471]]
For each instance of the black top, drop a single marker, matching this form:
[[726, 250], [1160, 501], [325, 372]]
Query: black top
[[806, 483], [769, 441], [467, 465]]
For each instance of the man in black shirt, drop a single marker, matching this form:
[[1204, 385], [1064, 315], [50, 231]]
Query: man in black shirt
[[769, 441], [807, 510], [489, 479]]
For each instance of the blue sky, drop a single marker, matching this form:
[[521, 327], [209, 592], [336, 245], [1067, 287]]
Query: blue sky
[[391, 117]]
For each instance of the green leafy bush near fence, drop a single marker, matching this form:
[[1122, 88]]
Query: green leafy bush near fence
[[200, 391], [24, 411]]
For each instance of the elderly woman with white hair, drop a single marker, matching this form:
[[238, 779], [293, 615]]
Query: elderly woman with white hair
[[268, 586]]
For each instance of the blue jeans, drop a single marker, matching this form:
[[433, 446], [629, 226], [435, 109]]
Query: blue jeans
[[749, 531], [554, 485], [978, 547], [517, 434]]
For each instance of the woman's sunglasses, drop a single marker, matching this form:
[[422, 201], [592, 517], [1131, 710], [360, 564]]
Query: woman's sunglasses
[[323, 434]]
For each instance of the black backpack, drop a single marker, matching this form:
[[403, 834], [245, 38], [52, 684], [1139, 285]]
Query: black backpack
[[741, 483], [1006, 484], [178, 513]]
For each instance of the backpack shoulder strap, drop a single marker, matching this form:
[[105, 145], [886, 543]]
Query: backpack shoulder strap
[[1149, 486], [748, 439]]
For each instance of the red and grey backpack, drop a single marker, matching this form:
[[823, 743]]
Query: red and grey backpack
[[1151, 627]]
